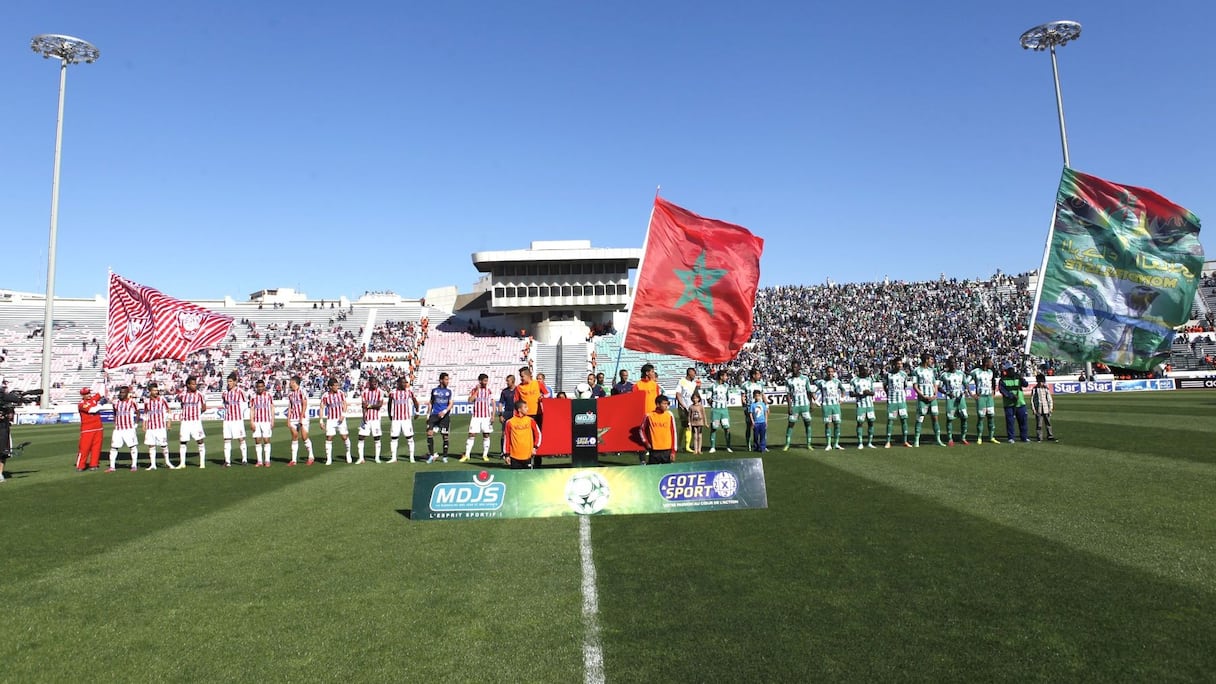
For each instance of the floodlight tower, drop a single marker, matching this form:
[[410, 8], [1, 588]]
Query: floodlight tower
[[68, 50], [1047, 37]]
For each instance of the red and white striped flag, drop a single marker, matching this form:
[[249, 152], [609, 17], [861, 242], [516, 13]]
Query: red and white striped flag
[[144, 324]]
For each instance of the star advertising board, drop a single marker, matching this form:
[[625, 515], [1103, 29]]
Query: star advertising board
[[556, 492]]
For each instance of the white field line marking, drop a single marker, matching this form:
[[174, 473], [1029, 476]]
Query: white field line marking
[[593, 653]]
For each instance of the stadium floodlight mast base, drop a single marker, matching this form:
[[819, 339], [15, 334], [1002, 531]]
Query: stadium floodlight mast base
[[68, 50], [1047, 37]]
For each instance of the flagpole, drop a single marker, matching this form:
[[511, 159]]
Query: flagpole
[[633, 291], [1038, 287]]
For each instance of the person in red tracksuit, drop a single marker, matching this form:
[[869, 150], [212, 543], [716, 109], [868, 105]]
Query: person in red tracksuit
[[90, 430]]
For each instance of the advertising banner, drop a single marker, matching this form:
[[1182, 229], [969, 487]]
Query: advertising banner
[[553, 492], [1196, 383], [1144, 385], [1065, 387], [586, 436]]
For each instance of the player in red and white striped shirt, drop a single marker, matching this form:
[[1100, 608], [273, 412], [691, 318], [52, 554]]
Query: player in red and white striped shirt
[[373, 400], [402, 407], [482, 398], [261, 417], [156, 425], [297, 419], [234, 420], [193, 403], [333, 406], [126, 413]]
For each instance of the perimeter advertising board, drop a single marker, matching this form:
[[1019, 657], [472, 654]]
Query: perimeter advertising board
[[675, 488]]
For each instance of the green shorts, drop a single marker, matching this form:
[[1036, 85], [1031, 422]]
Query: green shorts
[[956, 406], [896, 409], [831, 413], [985, 405], [865, 413], [924, 408], [803, 410], [719, 417]]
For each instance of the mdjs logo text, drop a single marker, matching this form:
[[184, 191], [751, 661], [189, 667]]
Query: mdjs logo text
[[482, 494]]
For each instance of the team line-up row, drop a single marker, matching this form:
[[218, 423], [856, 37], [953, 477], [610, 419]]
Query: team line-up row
[[402, 406], [802, 393]]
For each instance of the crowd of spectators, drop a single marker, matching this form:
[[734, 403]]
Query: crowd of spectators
[[846, 325], [206, 365], [394, 336], [312, 352]]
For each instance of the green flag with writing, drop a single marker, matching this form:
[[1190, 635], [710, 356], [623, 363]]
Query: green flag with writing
[[1121, 272]]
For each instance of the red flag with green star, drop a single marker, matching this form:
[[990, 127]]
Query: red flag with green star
[[696, 287]]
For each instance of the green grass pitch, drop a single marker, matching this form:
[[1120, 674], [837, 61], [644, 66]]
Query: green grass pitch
[[1092, 559]]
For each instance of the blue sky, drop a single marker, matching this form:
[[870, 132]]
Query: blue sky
[[218, 148]]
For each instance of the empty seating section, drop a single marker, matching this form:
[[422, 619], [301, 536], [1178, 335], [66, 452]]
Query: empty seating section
[[464, 351]]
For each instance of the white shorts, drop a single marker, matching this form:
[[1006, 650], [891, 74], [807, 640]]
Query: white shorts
[[299, 425], [370, 428], [159, 437], [124, 438], [234, 429], [191, 430], [262, 430], [402, 428], [336, 426], [483, 425]]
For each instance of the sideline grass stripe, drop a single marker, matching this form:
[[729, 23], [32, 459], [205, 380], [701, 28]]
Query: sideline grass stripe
[[1101, 507], [319, 580], [846, 578], [593, 652]]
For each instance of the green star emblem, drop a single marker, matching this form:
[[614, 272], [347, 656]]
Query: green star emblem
[[697, 282]]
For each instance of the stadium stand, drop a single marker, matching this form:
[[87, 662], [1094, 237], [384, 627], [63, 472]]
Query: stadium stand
[[670, 368], [816, 325], [464, 350], [77, 351], [845, 325]]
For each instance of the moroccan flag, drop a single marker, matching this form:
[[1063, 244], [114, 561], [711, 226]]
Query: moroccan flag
[[144, 324], [1120, 274], [696, 287]]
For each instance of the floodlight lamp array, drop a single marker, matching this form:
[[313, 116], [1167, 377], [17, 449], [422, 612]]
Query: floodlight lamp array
[[1050, 35], [69, 49]]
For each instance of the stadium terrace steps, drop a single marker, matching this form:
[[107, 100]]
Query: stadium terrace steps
[[464, 356]]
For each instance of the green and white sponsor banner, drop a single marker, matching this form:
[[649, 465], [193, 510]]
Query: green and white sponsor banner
[[675, 488]]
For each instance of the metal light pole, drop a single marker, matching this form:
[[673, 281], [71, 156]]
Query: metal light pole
[[1047, 37], [69, 50]]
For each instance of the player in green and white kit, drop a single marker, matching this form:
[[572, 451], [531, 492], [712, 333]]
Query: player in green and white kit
[[798, 398], [924, 385], [750, 387], [896, 385], [830, 391], [863, 392], [984, 378], [954, 386], [719, 411]]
